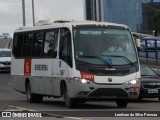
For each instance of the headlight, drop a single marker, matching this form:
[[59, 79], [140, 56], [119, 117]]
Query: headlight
[[133, 82], [84, 81], [81, 80]]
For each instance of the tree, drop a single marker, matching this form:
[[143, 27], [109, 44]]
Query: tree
[[155, 17]]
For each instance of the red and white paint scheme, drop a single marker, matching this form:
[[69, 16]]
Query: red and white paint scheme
[[76, 60], [27, 67]]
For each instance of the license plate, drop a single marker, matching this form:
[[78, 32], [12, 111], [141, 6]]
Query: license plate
[[152, 91]]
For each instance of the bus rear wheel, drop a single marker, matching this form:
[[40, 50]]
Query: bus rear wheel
[[122, 103], [32, 98], [69, 102]]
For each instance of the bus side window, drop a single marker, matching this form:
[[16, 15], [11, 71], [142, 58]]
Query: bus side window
[[27, 44], [65, 52], [50, 44], [17, 44], [37, 44]]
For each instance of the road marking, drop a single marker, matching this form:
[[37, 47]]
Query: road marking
[[77, 118], [16, 108], [19, 108], [9, 84]]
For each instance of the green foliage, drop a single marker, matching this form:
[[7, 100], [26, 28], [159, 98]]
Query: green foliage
[[155, 17]]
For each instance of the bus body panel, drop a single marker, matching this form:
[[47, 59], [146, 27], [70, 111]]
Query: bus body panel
[[46, 75], [41, 67], [38, 84], [41, 72], [18, 83], [60, 72], [48, 83], [17, 67]]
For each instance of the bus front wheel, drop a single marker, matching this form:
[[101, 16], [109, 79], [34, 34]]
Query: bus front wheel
[[32, 98], [69, 102], [121, 103]]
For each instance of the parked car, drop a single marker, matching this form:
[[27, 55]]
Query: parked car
[[150, 43], [5, 36], [5, 59], [150, 83]]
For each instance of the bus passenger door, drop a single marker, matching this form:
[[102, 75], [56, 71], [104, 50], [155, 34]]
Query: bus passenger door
[[61, 66], [50, 53]]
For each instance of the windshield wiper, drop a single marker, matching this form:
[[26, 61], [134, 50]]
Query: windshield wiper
[[109, 65], [130, 62]]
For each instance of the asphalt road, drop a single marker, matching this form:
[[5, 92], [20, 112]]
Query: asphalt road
[[11, 100]]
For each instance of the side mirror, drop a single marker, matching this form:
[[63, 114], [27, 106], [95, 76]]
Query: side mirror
[[138, 43]]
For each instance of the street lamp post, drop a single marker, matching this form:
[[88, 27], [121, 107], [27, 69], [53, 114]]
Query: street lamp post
[[33, 12], [23, 11]]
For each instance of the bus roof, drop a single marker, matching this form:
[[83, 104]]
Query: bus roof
[[47, 24]]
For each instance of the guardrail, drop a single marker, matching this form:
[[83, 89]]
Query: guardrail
[[150, 55], [4, 43], [9, 44]]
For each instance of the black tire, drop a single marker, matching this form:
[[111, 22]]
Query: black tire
[[69, 102], [159, 98], [32, 98], [122, 103], [80, 100], [140, 98]]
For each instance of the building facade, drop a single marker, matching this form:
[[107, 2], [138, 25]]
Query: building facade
[[127, 12], [151, 15], [133, 13]]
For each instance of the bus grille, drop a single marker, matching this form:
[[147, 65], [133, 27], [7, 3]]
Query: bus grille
[[148, 86], [6, 63], [109, 72]]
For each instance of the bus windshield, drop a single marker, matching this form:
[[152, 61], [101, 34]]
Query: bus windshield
[[102, 45]]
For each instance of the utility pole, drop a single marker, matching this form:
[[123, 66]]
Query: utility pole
[[23, 11], [33, 12]]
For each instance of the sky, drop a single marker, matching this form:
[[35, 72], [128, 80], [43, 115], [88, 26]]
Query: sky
[[11, 16]]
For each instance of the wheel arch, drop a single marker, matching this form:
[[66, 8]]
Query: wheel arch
[[27, 80], [62, 85]]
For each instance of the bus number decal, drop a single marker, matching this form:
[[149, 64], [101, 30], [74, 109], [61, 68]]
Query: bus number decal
[[27, 67], [41, 67], [87, 76]]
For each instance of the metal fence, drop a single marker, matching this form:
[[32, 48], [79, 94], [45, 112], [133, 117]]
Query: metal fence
[[150, 52]]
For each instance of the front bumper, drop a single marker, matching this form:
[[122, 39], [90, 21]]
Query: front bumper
[[5, 68], [144, 93], [101, 91]]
